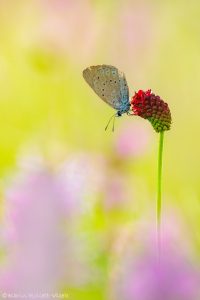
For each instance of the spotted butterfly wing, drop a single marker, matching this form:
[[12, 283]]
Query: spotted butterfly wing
[[110, 85]]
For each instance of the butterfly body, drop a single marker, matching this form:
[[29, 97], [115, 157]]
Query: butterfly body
[[110, 85]]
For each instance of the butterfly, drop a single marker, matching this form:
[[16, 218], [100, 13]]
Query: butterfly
[[111, 86]]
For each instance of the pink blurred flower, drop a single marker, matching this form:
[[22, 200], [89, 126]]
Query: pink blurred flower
[[132, 140], [82, 176], [139, 275], [36, 243], [136, 30], [136, 26], [174, 279], [117, 193], [42, 252], [68, 29]]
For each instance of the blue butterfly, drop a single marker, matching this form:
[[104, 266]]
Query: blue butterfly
[[111, 86]]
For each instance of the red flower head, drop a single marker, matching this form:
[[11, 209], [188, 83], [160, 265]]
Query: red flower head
[[151, 107]]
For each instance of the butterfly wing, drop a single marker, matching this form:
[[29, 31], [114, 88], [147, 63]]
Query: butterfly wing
[[109, 84]]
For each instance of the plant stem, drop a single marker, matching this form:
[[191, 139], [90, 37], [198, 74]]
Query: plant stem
[[159, 188]]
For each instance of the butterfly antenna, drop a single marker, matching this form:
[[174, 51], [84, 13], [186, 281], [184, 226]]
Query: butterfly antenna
[[110, 121]]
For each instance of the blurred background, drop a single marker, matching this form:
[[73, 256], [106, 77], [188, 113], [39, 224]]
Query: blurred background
[[78, 204]]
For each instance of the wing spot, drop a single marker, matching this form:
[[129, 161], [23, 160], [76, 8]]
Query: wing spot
[[102, 89], [115, 81], [98, 77], [110, 80], [103, 95]]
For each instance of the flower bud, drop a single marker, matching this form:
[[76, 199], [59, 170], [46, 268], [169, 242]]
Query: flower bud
[[151, 107]]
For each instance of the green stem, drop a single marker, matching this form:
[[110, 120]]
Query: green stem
[[159, 186]]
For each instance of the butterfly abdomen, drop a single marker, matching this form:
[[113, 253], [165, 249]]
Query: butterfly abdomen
[[125, 107]]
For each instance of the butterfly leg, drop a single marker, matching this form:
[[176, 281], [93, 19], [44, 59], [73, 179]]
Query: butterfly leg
[[129, 114]]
